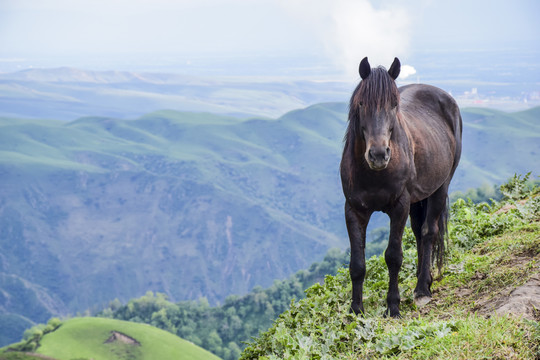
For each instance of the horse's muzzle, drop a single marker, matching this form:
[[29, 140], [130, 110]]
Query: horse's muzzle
[[378, 157]]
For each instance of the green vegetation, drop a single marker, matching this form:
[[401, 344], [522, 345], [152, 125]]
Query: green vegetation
[[18, 356], [224, 329], [33, 336], [485, 193], [493, 249], [91, 338]]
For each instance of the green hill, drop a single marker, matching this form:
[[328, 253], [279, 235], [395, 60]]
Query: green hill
[[497, 144], [189, 204], [108, 339]]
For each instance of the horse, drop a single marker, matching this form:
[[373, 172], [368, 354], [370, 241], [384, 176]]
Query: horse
[[401, 149]]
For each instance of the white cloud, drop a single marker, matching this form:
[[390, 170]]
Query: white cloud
[[352, 29], [406, 71]]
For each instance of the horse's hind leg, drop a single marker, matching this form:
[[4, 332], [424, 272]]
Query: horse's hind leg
[[429, 236], [418, 216]]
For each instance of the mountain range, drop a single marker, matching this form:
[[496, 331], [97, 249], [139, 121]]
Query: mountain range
[[68, 93], [190, 204]]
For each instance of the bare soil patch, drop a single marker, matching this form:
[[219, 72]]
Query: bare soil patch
[[487, 299], [522, 301], [117, 336]]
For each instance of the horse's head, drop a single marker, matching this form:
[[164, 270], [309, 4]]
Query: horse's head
[[374, 110]]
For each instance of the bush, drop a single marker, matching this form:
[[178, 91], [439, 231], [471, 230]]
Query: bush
[[470, 222], [33, 336]]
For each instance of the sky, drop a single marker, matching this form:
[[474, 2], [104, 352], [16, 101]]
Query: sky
[[342, 31]]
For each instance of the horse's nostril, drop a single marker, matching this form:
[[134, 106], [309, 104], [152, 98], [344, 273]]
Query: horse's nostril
[[387, 155], [371, 156]]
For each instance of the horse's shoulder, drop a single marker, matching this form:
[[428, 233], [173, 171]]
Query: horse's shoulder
[[419, 100], [425, 93]]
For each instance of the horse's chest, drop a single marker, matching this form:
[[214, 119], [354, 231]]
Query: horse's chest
[[376, 199]]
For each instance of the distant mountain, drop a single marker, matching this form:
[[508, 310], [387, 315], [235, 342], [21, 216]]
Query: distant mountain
[[190, 204], [69, 93]]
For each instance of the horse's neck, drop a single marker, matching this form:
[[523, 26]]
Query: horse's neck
[[404, 127]]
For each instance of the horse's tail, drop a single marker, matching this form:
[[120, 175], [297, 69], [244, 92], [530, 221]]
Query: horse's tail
[[439, 244]]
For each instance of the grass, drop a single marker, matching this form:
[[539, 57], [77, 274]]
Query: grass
[[18, 356], [490, 269], [456, 325], [84, 338], [474, 337]]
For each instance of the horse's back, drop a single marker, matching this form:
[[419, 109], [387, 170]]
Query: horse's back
[[423, 101]]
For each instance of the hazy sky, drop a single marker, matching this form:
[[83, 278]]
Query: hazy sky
[[342, 30]]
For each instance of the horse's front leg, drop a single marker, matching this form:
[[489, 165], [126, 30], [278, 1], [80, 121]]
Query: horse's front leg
[[356, 227], [394, 254]]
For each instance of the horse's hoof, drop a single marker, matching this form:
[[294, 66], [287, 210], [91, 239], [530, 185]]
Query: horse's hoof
[[422, 301], [392, 314], [356, 310]]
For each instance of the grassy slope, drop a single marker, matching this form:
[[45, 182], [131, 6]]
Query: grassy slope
[[188, 136], [85, 338], [460, 322]]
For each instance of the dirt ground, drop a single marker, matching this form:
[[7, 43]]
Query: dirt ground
[[522, 301], [117, 336]]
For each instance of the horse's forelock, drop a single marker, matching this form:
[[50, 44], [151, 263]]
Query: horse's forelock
[[378, 91]]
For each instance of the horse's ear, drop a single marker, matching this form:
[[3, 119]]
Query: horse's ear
[[365, 68], [395, 68]]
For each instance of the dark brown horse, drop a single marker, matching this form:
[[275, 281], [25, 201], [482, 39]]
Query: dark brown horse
[[402, 147]]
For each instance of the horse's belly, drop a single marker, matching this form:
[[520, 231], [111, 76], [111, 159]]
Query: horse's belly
[[433, 169]]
